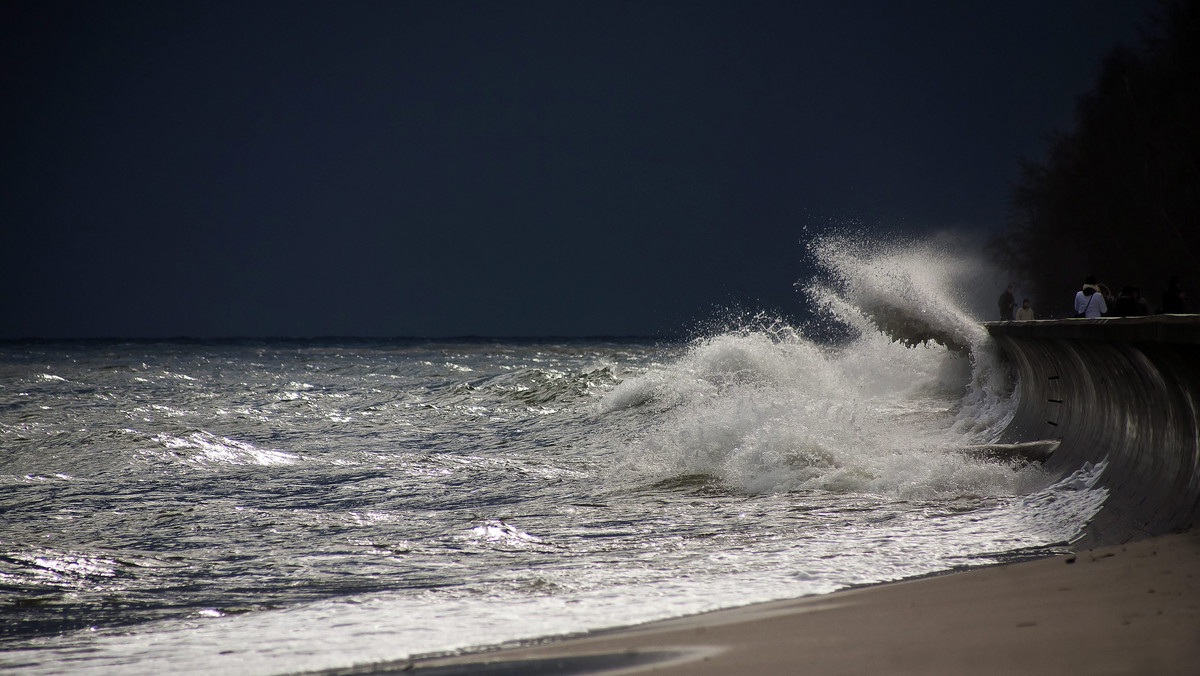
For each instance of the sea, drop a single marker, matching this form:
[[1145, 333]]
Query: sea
[[278, 506]]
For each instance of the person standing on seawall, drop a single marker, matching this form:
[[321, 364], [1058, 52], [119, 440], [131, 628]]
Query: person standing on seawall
[[1025, 313], [1174, 300], [1129, 303], [1089, 302], [1006, 304]]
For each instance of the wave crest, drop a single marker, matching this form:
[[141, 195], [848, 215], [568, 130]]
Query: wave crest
[[766, 409]]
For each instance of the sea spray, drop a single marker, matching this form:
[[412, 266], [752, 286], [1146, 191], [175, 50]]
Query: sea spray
[[915, 292], [920, 292], [763, 408]]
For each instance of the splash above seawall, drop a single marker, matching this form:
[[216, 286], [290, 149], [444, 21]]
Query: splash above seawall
[[1122, 391]]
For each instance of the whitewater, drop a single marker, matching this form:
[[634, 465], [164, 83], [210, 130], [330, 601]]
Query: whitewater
[[268, 507]]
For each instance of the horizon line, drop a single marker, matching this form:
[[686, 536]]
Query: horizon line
[[466, 338]]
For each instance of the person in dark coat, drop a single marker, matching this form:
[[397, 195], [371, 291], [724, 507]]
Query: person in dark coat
[[1174, 299], [1007, 303], [1130, 303]]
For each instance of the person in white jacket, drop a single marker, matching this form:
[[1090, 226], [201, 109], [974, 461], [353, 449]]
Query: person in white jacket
[[1089, 302]]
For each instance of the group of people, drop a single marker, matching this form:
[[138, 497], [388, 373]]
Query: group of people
[[1096, 300], [1009, 309]]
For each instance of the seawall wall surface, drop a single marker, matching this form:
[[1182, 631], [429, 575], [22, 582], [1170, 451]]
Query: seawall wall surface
[[1125, 391]]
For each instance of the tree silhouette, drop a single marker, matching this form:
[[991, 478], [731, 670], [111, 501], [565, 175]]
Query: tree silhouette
[[1119, 197]]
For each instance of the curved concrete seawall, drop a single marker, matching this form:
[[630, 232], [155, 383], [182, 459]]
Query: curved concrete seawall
[[1125, 391]]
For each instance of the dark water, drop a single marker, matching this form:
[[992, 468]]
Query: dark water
[[453, 494], [269, 507]]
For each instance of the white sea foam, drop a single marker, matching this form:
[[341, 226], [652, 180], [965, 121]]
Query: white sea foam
[[766, 409], [206, 448]]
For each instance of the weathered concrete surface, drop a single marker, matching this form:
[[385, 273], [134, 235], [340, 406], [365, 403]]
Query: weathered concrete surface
[[1121, 390]]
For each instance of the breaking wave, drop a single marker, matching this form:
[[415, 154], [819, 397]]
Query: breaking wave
[[766, 407]]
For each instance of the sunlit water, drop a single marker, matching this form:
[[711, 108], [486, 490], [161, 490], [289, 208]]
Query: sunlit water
[[271, 507]]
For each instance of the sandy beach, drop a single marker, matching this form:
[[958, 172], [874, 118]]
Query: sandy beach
[[1127, 609]]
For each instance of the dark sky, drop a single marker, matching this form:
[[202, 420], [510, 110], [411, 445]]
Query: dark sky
[[497, 168]]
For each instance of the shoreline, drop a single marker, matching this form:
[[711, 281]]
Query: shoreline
[[1122, 609]]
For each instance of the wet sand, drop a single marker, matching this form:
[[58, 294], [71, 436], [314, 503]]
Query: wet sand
[[1128, 609]]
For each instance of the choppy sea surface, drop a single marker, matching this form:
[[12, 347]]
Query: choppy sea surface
[[267, 507]]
